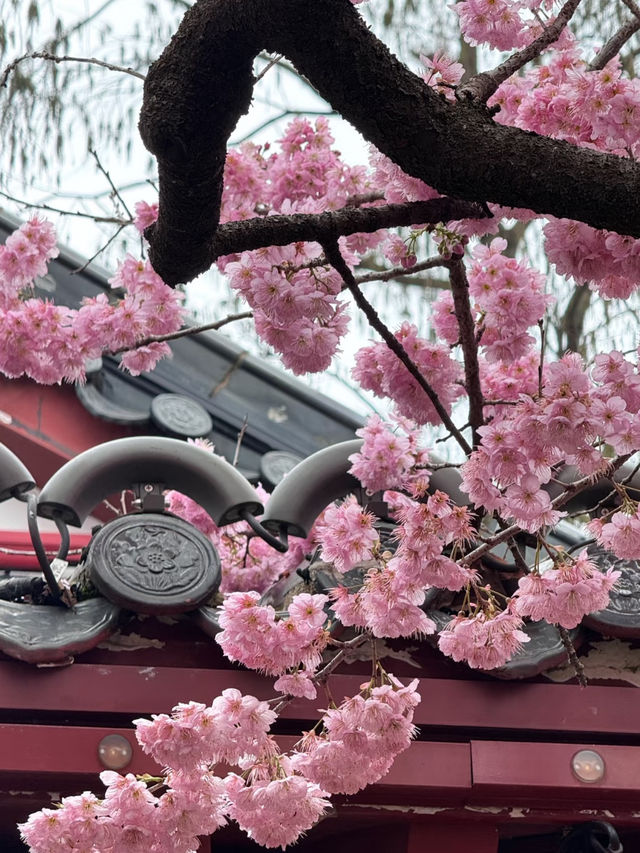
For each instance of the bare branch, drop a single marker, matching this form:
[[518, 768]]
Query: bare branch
[[102, 248], [115, 193], [402, 273], [43, 54], [182, 333], [113, 220]]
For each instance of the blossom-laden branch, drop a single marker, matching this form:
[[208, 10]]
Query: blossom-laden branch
[[483, 85], [455, 147]]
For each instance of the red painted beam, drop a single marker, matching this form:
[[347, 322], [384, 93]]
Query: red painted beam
[[16, 550], [528, 772], [60, 750], [40, 751], [454, 704]]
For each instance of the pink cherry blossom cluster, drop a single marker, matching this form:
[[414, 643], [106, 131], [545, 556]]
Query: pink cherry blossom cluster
[[196, 735], [296, 311], [503, 24], [253, 635], [275, 811], [543, 99], [130, 819], [379, 370], [425, 529], [442, 73], [621, 533], [514, 460], [390, 456], [483, 640], [564, 594], [346, 534], [295, 300], [509, 298], [388, 603], [25, 256], [360, 739], [51, 343]]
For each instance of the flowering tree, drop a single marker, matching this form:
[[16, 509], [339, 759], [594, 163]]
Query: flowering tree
[[550, 132]]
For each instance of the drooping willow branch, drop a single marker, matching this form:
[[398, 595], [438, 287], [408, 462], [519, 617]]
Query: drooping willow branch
[[197, 90]]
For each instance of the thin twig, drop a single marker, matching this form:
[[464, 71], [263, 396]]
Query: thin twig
[[606, 499], [241, 434], [51, 57], [483, 85], [181, 333], [115, 193], [322, 675], [112, 220], [401, 272], [276, 59], [90, 260], [334, 256], [467, 336], [543, 341], [379, 275]]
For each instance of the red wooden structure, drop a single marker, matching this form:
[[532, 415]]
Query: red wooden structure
[[490, 773]]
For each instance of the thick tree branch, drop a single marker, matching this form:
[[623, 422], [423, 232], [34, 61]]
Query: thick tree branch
[[201, 85], [280, 230]]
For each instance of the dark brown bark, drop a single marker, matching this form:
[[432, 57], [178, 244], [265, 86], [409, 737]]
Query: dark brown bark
[[201, 85], [466, 326]]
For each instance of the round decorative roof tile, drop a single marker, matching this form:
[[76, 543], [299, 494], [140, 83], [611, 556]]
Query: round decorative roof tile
[[180, 416], [153, 563]]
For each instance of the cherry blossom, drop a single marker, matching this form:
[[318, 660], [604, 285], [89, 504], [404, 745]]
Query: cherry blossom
[[540, 428]]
